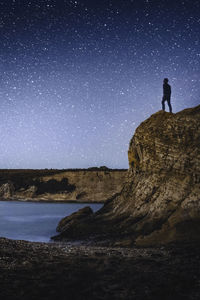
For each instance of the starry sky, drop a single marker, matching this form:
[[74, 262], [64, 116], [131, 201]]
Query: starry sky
[[78, 77]]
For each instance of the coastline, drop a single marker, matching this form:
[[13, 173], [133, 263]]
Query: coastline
[[51, 201], [144, 242], [94, 185]]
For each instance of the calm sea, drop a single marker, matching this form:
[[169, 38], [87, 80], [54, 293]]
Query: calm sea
[[34, 221]]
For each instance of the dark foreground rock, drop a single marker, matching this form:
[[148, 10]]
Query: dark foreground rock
[[160, 201], [51, 271], [67, 225]]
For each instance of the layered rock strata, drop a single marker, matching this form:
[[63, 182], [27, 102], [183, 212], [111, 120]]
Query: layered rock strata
[[68, 185], [160, 201]]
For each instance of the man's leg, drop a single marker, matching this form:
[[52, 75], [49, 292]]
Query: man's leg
[[163, 103], [169, 104]]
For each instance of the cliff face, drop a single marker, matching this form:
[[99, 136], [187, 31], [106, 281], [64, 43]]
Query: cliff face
[[163, 192], [160, 201], [91, 185], [81, 186]]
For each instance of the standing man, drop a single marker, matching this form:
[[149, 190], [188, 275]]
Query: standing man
[[166, 94]]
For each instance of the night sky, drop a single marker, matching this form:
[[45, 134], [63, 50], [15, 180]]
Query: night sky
[[78, 77]]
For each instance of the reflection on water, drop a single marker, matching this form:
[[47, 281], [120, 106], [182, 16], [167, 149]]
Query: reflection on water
[[34, 221]]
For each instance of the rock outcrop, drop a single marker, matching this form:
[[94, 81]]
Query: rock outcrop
[[7, 190], [68, 225], [160, 201]]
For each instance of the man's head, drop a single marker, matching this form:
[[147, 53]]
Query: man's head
[[165, 80]]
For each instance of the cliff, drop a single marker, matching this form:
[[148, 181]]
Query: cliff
[[160, 200], [86, 185]]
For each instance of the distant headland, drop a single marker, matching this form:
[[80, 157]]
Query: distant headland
[[94, 184], [159, 202]]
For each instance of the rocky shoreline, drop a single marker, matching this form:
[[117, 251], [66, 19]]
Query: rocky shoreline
[[159, 202], [142, 244], [62, 271], [52, 201]]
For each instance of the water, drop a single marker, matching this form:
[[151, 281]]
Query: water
[[32, 221]]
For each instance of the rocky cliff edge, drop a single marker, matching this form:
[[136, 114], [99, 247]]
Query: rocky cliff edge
[[160, 201]]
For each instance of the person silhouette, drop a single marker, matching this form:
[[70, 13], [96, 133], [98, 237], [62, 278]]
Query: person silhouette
[[166, 94]]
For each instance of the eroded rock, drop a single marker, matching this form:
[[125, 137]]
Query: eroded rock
[[74, 225], [160, 202], [84, 185], [7, 190]]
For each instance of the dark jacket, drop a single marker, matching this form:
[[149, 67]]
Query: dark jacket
[[166, 90]]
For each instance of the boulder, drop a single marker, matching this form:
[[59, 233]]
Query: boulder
[[74, 225]]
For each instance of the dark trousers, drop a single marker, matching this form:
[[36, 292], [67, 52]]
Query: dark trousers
[[168, 102]]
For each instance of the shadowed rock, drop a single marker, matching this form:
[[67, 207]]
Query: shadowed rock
[[160, 201], [73, 226]]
